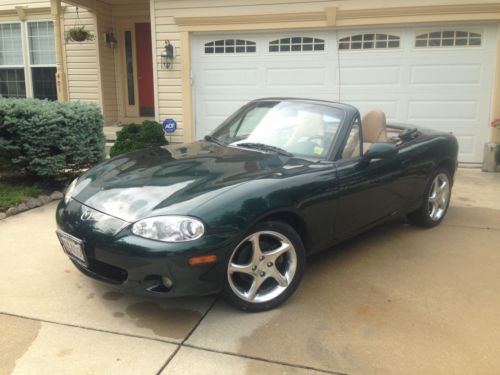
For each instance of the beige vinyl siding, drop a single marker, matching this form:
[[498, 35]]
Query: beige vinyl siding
[[12, 4], [81, 59], [131, 10], [107, 65]]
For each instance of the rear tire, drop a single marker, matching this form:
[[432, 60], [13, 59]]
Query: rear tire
[[436, 200], [265, 268]]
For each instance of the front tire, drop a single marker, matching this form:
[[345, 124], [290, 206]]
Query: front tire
[[265, 268], [436, 200]]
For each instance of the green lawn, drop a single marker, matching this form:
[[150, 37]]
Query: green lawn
[[14, 193]]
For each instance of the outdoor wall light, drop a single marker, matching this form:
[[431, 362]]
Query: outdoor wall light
[[168, 55], [110, 39]]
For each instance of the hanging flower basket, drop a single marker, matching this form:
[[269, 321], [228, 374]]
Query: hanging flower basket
[[496, 123], [78, 34]]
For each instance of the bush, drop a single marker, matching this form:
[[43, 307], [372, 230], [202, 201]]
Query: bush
[[49, 139], [136, 137]]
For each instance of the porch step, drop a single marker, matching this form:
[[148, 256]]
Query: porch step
[[107, 147], [110, 132]]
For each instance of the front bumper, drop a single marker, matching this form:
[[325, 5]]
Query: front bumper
[[117, 257]]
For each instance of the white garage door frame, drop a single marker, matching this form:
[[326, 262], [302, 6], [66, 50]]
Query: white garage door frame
[[447, 88]]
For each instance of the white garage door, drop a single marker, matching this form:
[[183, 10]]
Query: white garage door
[[436, 77]]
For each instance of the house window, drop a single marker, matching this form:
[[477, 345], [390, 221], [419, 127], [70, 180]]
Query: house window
[[42, 59], [230, 46], [448, 38], [369, 41], [12, 79], [40, 68], [297, 44]]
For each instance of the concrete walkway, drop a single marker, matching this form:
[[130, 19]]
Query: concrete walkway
[[397, 300]]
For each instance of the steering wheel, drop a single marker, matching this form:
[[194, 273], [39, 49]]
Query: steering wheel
[[316, 138]]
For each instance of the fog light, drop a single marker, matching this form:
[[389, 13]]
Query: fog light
[[167, 282]]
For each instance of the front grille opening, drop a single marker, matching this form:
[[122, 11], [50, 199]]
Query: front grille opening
[[115, 274]]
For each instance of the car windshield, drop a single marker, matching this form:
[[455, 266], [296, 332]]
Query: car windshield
[[288, 127]]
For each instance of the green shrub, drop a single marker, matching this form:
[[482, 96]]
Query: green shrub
[[136, 137], [49, 139]]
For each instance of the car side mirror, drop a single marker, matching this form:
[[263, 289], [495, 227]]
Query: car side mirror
[[380, 150]]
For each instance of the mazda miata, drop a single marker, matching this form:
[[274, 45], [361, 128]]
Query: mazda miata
[[239, 211]]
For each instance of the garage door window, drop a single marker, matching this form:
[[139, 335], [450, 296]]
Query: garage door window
[[448, 38], [230, 46], [297, 44], [369, 41]]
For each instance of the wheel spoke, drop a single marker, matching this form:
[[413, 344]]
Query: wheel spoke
[[442, 201], [443, 186], [254, 288], [434, 208], [238, 268], [280, 279], [433, 191], [276, 253], [256, 250]]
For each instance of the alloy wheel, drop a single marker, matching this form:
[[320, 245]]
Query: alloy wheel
[[439, 196], [262, 266]]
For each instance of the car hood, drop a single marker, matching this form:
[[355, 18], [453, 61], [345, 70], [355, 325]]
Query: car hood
[[173, 179]]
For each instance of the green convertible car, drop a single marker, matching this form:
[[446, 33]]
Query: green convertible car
[[239, 211]]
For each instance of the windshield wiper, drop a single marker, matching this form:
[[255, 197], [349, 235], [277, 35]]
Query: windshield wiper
[[211, 138], [264, 147]]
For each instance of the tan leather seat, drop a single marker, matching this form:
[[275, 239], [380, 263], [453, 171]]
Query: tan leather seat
[[373, 125], [311, 124]]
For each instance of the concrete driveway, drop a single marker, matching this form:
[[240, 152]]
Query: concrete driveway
[[398, 299]]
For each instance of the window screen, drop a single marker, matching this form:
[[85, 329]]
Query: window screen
[[41, 43], [11, 46], [42, 59], [12, 80], [12, 83]]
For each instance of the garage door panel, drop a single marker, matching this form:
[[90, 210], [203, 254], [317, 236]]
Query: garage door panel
[[452, 75], [309, 77], [442, 110], [234, 77], [468, 144], [219, 108], [371, 75]]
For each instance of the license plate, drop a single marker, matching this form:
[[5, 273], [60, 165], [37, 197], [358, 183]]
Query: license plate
[[72, 246]]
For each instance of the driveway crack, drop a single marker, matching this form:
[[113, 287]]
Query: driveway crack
[[169, 359]]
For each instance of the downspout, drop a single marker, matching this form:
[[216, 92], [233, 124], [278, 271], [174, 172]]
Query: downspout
[[62, 92]]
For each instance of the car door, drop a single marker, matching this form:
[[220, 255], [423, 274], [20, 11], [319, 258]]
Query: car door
[[368, 191]]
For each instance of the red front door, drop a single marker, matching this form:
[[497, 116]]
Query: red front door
[[144, 69]]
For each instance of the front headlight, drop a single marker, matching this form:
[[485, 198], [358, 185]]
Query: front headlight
[[169, 228], [69, 191]]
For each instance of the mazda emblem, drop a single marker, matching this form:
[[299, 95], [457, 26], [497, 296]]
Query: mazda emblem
[[86, 214]]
